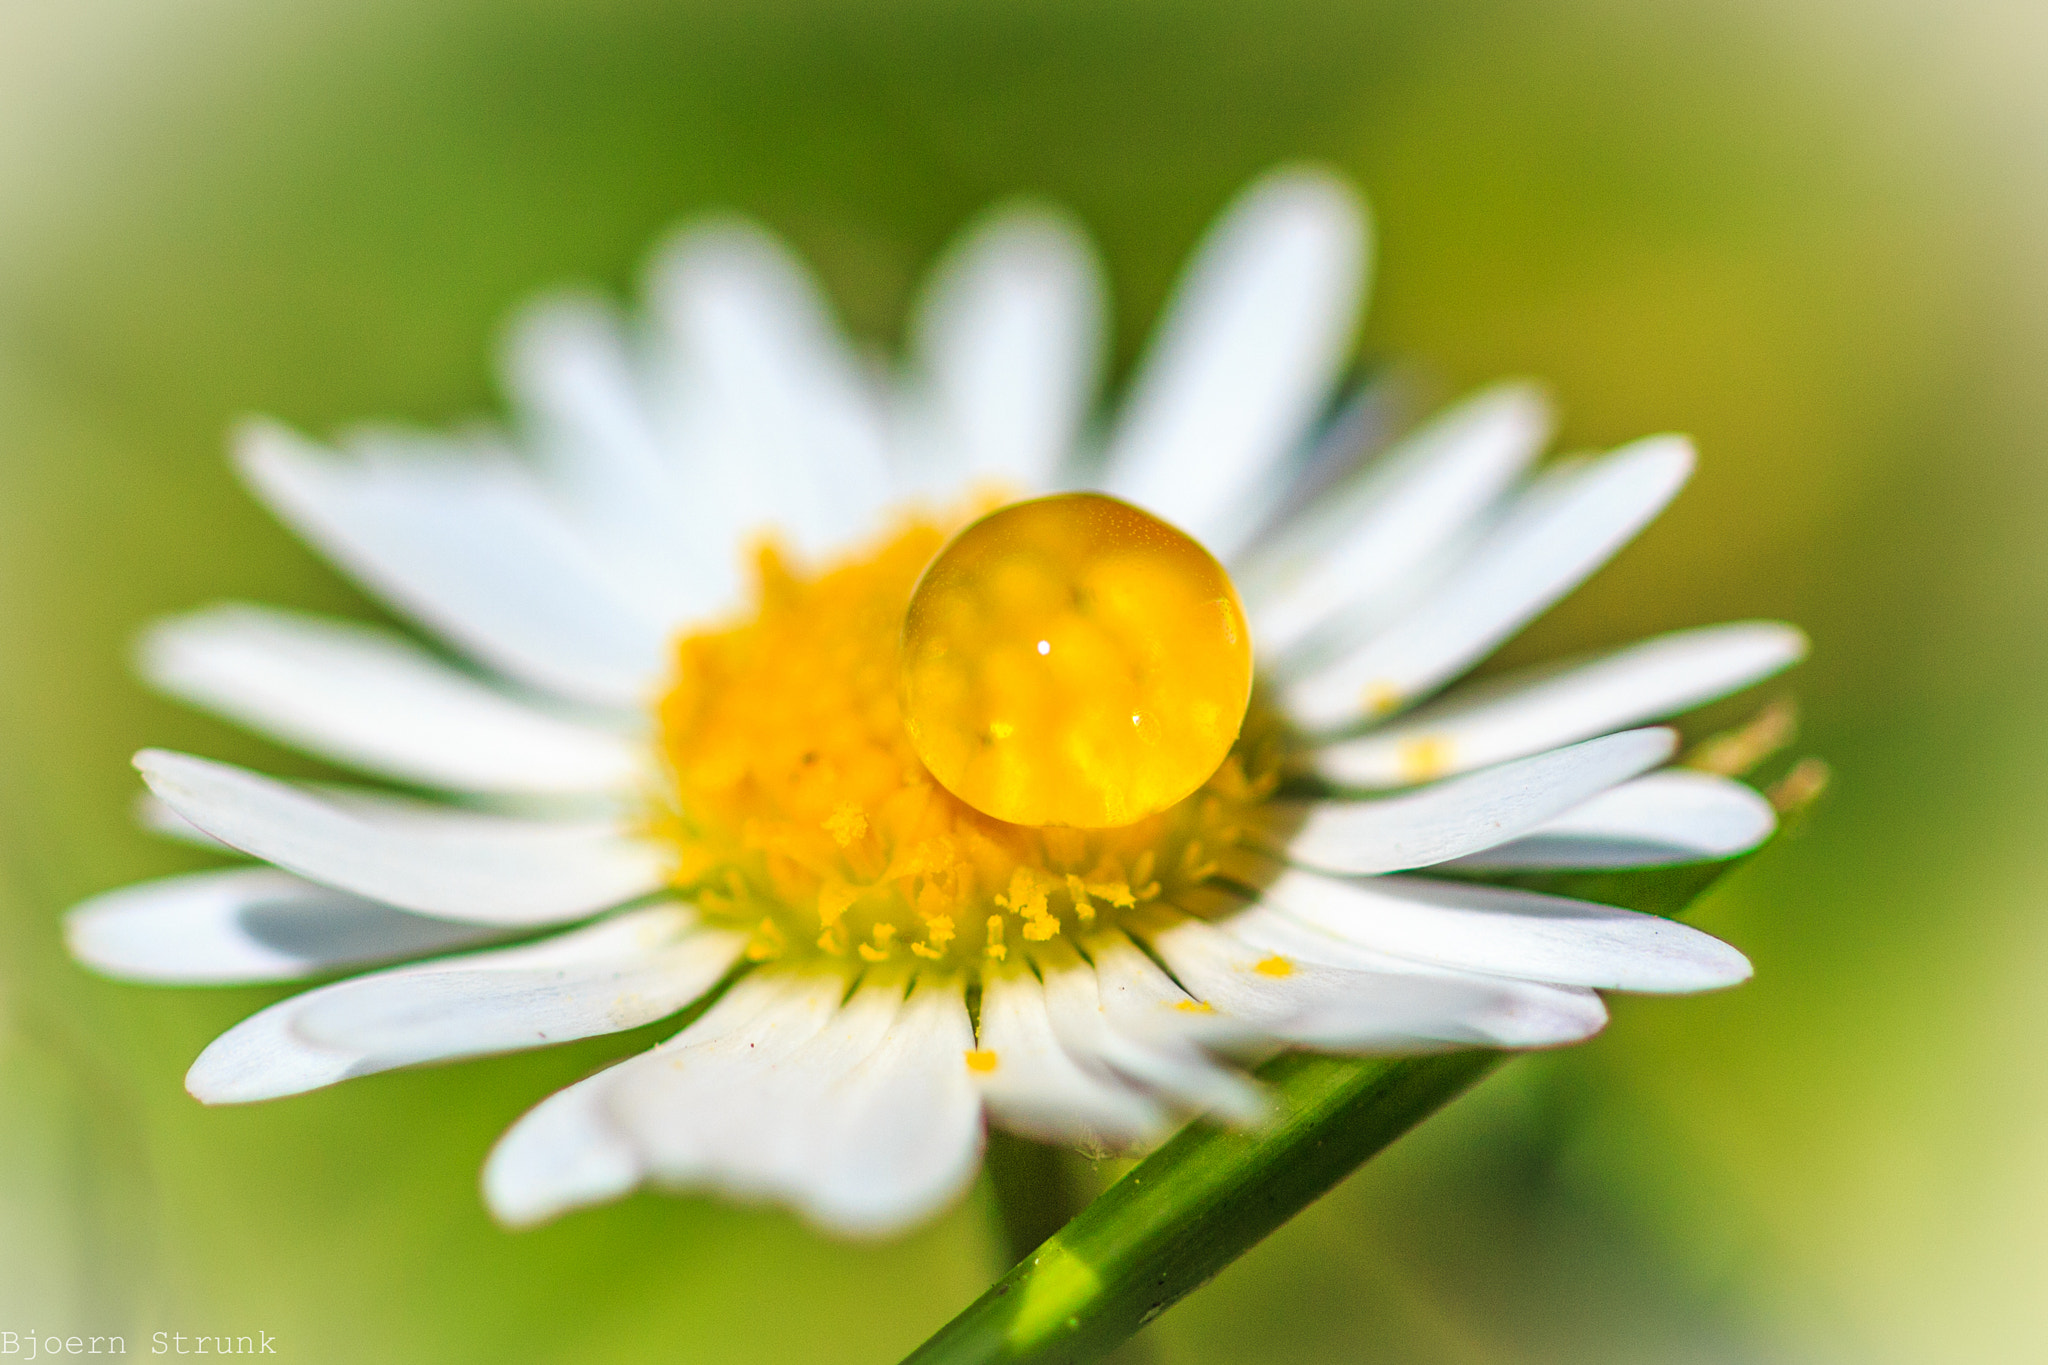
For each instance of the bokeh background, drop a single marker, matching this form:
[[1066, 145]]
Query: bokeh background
[[1812, 233]]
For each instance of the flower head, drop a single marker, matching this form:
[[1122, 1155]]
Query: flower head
[[790, 696]]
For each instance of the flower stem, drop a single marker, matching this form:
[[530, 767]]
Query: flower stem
[[1197, 1204], [1210, 1194], [1034, 1192]]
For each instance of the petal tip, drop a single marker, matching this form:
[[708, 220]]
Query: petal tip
[[1671, 454], [211, 1083]]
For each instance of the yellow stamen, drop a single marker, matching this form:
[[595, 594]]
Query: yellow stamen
[[768, 942], [1077, 893], [878, 951], [846, 823]]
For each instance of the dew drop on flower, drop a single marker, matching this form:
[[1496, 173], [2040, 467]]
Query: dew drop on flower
[[1074, 661]]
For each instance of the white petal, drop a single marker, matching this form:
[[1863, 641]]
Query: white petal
[[404, 811], [159, 819], [1358, 552], [1245, 358], [470, 548], [1035, 1088], [770, 1145], [703, 1102], [562, 1154], [1464, 814], [572, 1150], [897, 1137], [1545, 1014], [860, 1116], [367, 698], [1510, 933], [247, 924], [1673, 816], [782, 427], [1526, 712], [604, 978], [1007, 342], [1300, 1000], [1124, 1015], [1566, 525], [492, 870], [569, 373]]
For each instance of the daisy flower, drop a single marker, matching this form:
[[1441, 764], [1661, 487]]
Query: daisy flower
[[786, 691]]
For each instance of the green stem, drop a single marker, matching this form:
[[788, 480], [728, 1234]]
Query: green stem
[[1034, 1192], [1197, 1204], [1209, 1195]]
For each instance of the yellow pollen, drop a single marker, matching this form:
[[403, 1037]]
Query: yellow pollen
[[938, 932], [1074, 661], [799, 813], [846, 824], [767, 942], [1424, 758], [981, 1059], [878, 951], [1077, 896], [1380, 698], [1194, 1007], [1275, 966]]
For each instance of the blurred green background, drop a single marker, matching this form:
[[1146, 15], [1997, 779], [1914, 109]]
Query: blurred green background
[[1811, 233]]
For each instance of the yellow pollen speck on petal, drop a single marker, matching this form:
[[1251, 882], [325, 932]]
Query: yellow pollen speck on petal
[[1380, 698], [981, 1059], [799, 814], [1194, 1007], [1424, 758], [1275, 966]]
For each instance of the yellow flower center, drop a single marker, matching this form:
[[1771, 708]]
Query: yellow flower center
[[1074, 661], [801, 812]]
